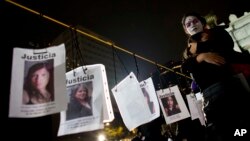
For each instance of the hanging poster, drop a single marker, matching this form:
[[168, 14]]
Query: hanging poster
[[38, 82], [89, 103], [150, 96], [172, 104], [192, 104], [131, 102], [195, 103], [202, 117]]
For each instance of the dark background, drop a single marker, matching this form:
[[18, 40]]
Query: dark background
[[150, 28]]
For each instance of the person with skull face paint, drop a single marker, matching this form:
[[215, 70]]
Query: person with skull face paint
[[208, 58]]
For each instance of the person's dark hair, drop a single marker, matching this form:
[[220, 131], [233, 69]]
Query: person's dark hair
[[28, 83], [198, 16], [165, 102]]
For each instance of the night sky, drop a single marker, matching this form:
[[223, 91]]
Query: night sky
[[150, 28]]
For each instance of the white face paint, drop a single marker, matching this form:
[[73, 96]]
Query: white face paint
[[193, 25]]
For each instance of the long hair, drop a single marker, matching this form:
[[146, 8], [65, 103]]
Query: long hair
[[165, 103], [28, 82]]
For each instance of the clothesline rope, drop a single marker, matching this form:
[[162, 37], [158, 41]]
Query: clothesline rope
[[96, 38]]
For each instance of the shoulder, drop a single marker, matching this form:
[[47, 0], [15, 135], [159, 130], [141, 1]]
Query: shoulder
[[26, 97], [219, 29]]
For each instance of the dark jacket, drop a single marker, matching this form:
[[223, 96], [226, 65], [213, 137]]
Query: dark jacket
[[206, 74], [76, 110]]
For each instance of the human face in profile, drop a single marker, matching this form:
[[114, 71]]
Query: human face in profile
[[81, 93], [40, 78], [193, 25]]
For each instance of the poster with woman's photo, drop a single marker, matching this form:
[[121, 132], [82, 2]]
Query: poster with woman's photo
[[38, 82], [172, 104], [80, 104], [87, 89]]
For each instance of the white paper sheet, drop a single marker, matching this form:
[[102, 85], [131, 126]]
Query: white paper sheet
[[131, 102], [179, 110], [25, 100], [191, 99], [77, 118]]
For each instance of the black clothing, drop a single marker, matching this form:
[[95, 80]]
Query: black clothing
[[220, 42], [173, 111], [136, 139], [76, 110], [223, 94]]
